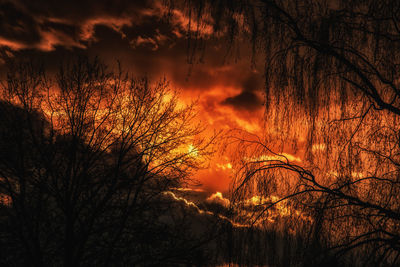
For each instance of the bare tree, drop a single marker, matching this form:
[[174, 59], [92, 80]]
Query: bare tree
[[86, 157]]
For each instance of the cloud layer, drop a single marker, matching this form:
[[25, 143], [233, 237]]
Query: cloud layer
[[147, 39]]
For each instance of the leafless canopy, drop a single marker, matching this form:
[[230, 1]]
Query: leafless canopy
[[85, 159]]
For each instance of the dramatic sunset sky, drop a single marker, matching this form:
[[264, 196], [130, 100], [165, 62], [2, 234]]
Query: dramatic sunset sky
[[227, 84]]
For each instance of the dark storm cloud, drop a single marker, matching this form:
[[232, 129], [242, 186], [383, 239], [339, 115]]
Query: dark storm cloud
[[137, 29], [245, 100], [249, 98], [78, 10], [43, 25], [137, 33], [17, 26], [252, 82]]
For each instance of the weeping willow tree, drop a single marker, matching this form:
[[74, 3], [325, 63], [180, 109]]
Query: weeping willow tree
[[332, 92]]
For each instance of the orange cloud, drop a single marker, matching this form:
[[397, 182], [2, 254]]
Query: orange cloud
[[13, 45], [185, 202], [192, 207], [219, 199], [51, 38], [88, 28], [280, 157]]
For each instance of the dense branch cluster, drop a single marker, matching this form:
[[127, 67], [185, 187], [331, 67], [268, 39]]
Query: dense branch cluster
[[332, 91], [86, 157]]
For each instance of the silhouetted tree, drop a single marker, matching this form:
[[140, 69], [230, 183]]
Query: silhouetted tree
[[86, 157], [331, 70]]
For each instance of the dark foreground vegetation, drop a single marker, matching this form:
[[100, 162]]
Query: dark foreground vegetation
[[86, 157], [89, 158]]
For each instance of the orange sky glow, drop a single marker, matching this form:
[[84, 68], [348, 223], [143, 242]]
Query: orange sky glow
[[216, 177], [228, 87]]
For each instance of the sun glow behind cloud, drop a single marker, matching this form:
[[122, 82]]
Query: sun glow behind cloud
[[228, 93], [217, 116]]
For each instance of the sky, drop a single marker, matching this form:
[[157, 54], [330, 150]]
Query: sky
[[147, 39]]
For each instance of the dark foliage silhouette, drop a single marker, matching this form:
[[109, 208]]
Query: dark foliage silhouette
[[86, 157]]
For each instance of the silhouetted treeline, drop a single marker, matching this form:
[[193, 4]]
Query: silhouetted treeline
[[86, 159]]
